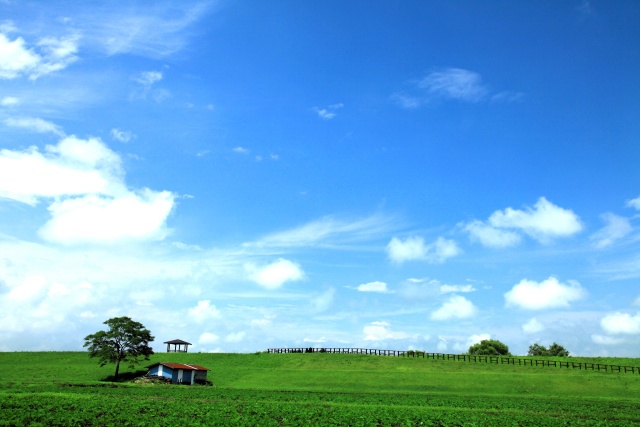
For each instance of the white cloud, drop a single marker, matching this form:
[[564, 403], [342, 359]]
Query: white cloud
[[637, 301], [8, 101], [35, 124], [533, 326], [241, 150], [74, 167], [621, 323], [447, 289], [48, 55], [315, 340], [329, 231], [491, 237], [542, 222], [379, 331], [456, 307], [208, 338], [96, 219], [328, 112], [415, 249], [616, 228], [203, 312], [151, 32], [274, 275], [121, 135], [148, 78], [455, 83], [323, 301], [634, 203], [549, 293], [380, 287]]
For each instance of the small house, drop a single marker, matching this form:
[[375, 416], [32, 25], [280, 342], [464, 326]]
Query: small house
[[179, 372]]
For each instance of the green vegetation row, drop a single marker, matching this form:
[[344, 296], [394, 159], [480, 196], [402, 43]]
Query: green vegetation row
[[521, 361]]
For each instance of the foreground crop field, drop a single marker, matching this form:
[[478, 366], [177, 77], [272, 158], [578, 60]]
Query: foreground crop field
[[315, 389]]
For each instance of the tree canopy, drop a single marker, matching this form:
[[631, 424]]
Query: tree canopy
[[489, 348], [125, 341], [554, 349]]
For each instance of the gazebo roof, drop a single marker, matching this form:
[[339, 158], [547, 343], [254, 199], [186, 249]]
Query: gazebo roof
[[176, 341]]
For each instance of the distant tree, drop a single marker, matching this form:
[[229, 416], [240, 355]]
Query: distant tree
[[125, 341], [538, 350], [489, 348], [554, 349]]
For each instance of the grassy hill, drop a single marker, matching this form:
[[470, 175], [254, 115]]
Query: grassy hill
[[330, 389]]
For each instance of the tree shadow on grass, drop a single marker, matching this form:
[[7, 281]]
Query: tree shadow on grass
[[125, 376]]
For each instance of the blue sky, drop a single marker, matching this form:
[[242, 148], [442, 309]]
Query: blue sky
[[245, 175]]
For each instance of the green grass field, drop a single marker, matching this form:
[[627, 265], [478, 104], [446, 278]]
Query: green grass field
[[69, 388]]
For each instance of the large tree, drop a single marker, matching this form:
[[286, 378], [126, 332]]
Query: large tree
[[125, 341], [489, 348]]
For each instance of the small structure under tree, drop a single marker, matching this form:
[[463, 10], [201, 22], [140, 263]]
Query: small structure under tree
[[179, 346]]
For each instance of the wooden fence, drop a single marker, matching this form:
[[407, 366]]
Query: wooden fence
[[466, 358]]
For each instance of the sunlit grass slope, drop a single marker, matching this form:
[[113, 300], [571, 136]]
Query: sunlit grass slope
[[342, 372]]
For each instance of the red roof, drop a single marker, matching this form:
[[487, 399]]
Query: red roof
[[181, 366]]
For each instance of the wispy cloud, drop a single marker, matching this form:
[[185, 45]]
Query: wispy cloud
[[330, 231], [329, 112], [35, 124], [616, 228], [454, 83], [122, 135], [151, 32], [451, 84]]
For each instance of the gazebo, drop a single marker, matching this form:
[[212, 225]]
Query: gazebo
[[177, 346]]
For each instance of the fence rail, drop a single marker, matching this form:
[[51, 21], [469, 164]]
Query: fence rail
[[466, 358]]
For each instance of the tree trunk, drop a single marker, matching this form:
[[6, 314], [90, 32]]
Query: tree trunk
[[115, 378]]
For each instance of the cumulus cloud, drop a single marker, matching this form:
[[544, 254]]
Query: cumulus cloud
[[533, 326], [455, 83], [549, 293], [456, 307], [621, 324], [414, 249], [48, 55], [380, 287], [91, 201], [96, 219], [73, 167], [542, 222], [490, 236], [274, 275]]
